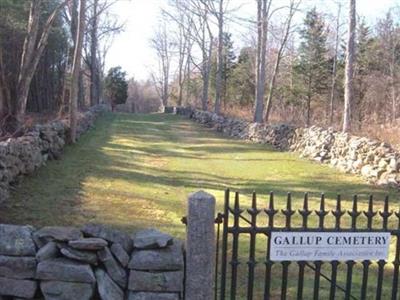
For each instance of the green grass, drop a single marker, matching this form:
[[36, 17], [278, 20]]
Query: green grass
[[136, 171]]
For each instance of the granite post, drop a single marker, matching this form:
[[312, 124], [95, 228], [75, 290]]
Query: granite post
[[200, 247]]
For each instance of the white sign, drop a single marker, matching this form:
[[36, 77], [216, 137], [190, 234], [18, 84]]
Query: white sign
[[328, 246]]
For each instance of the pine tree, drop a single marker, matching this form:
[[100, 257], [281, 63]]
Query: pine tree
[[312, 67], [229, 62], [364, 65], [241, 86], [116, 86]]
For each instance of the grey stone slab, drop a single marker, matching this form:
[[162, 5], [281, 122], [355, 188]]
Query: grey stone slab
[[59, 290], [166, 259], [153, 296], [120, 254], [107, 288], [155, 281], [16, 240], [89, 257], [22, 288], [113, 268], [48, 251], [88, 244], [200, 246], [109, 234], [63, 269], [151, 239], [18, 267], [59, 233]]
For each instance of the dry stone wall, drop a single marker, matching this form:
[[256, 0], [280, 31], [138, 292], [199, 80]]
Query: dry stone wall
[[377, 162], [23, 155], [94, 262]]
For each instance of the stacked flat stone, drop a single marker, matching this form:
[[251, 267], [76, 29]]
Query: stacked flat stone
[[377, 162], [62, 263], [17, 262], [155, 267], [23, 155]]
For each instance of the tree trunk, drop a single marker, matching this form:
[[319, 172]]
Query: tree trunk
[[220, 58], [348, 87], [76, 66], [308, 120], [262, 23], [32, 52], [206, 68], [334, 70], [4, 91], [393, 84], [271, 89], [187, 77], [204, 98], [94, 92]]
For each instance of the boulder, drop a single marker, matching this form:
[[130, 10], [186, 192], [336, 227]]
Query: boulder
[[16, 240], [59, 290], [151, 239], [156, 281], [88, 244], [166, 259], [62, 269], [152, 296], [366, 171], [107, 288], [17, 267], [48, 251], [18, 287], [394, 164], [58, 233], [114, 269], [120, 254], [80, 255], [109, 234]]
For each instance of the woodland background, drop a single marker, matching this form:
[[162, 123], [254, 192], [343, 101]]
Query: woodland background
[[301, 51]]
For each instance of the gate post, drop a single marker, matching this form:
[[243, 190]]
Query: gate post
[[200, 247]]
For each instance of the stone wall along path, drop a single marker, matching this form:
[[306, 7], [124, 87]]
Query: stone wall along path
[[375, 161], [95, 262]]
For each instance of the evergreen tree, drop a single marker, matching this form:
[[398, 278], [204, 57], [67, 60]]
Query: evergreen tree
[[312, 68], [364, 65], [229, 64], [116, 86], [241, 86]]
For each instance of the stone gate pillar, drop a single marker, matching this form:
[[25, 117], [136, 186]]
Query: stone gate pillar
[[200, 247]]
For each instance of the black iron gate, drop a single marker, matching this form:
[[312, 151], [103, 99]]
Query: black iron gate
[[244, 269]]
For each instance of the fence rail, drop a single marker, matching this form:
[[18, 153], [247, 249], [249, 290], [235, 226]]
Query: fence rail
[[239, 242]]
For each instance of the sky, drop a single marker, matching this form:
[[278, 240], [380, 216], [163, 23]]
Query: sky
[[131, 49]]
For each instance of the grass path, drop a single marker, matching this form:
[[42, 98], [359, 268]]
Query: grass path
[[135, 171]]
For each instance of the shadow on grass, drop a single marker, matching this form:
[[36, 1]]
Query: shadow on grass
[[135, 171]]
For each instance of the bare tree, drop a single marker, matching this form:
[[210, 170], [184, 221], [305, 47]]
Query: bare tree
[[32, 51], [183, 20], [163, 46], [219, 13], [200, 34], [76, 67], [103, 27], [350, 58], [263, 7], [293, 6]]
